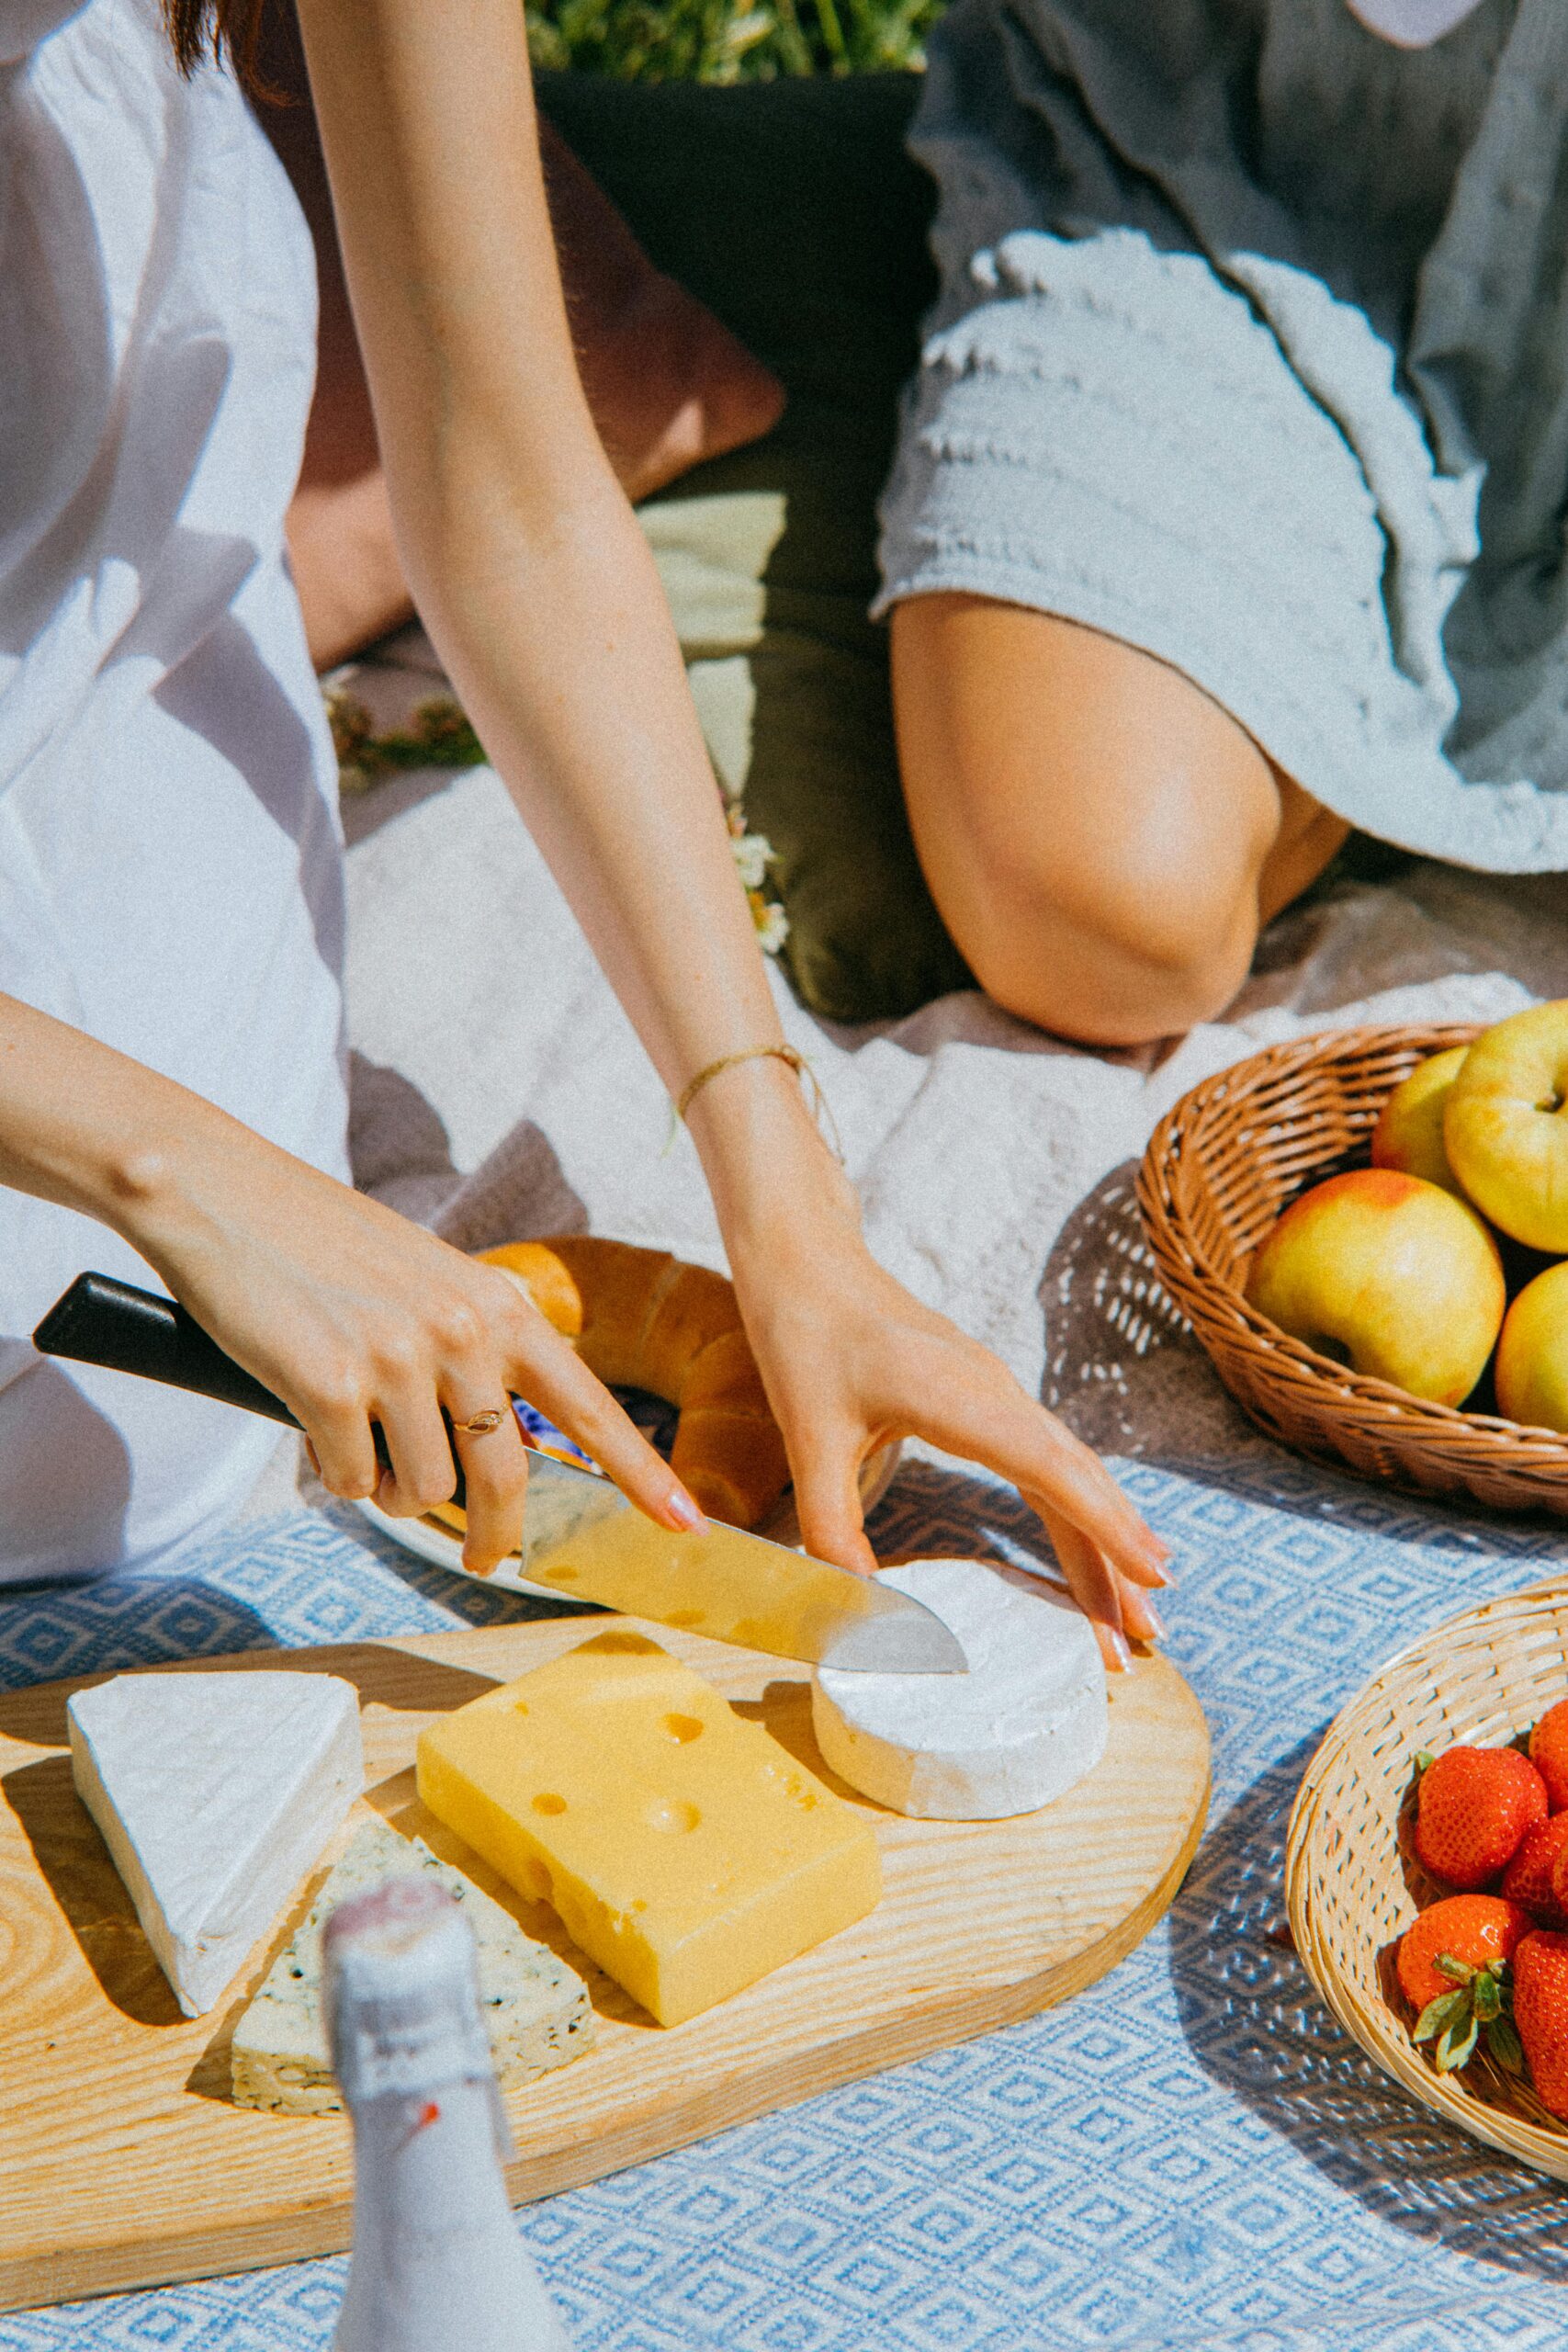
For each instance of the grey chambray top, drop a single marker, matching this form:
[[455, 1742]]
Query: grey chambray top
[[1252, 350]]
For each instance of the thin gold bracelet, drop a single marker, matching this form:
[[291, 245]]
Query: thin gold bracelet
[[820, 1109]]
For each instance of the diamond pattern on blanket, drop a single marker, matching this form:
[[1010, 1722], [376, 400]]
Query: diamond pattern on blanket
[[1189, 2155]]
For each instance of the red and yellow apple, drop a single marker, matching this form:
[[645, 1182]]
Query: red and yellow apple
[[1506, 1127], [1532, 1355], [1409, 1132], [1388, 1273]]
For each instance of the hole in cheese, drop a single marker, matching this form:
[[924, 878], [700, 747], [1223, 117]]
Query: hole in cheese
[[683, 1728], [547, 1802], [672, 1814], [620, 1646]]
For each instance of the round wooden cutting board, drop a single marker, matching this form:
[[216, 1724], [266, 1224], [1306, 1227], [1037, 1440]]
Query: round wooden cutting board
[[123, 2163]]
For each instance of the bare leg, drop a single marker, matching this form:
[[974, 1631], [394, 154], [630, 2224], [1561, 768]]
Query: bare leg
[[1102, 839]]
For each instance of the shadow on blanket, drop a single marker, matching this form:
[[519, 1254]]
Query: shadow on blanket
[[1123, 1368], [1255, 2024], [931, 1512]]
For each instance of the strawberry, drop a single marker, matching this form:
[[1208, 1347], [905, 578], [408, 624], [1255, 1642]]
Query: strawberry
[[1472, 1930], [1471, 1812], [1540, 2013], [1453, 1970], [1531, 1877], [1548, 1752]]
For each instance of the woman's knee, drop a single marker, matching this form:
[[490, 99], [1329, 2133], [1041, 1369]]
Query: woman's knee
[[1133, 950], [1092, 826]]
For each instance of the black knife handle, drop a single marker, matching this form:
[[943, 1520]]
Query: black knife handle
[[102, 1321]]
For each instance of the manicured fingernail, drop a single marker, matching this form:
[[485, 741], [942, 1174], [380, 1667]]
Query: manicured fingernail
[[1123, 1655], [1155, 1623], [684, 1513]]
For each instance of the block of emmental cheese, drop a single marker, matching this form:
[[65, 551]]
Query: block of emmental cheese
[[535, 2007], [685, 1850], [216, 1794]]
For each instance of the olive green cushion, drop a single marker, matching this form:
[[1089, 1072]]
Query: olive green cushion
[[791, 208]]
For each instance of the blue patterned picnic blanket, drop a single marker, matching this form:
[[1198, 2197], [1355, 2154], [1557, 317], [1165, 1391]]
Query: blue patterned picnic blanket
[[1191, 2155]]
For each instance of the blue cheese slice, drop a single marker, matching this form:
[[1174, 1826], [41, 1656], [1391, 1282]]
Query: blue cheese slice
[[216, 1794], [535, 2007]]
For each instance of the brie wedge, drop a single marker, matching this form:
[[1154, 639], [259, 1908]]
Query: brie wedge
[[534, 2007], [215, 1795], [1029, 1718]]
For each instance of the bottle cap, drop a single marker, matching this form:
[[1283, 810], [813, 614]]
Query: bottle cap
[[403, 1993]]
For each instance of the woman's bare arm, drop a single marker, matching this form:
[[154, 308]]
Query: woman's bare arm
[[348, 1313], [542, 598], [525, 562]]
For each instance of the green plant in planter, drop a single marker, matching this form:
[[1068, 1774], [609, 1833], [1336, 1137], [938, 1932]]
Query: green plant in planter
[[729, 41]]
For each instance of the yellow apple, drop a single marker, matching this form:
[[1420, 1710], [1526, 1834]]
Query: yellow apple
[[1504, 1127], [1387, 1274], [1409, 1132], [1531, 1370]]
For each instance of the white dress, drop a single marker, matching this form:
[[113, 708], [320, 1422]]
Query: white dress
[[170, 863]]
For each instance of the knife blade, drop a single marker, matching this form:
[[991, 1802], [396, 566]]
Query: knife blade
[[581, 1537]]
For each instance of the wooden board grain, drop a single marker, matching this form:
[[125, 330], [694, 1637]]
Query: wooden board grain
[[123, 2163]]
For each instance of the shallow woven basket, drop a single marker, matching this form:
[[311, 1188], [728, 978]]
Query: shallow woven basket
[[1219, 1170], [1353, 1886]]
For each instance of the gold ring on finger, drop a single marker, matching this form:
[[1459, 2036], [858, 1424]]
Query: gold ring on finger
[[481, 1424]]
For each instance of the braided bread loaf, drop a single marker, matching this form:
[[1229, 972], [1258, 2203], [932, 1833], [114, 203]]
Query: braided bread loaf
[[643, 1318]]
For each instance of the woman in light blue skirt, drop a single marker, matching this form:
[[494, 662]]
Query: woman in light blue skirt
[[1229, 506]]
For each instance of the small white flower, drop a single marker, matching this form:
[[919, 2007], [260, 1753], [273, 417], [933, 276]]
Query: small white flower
[[753, 855], [772, 929]]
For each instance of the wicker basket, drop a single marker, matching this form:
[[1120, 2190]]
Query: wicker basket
[[1351, 1882], [1219, 1170]]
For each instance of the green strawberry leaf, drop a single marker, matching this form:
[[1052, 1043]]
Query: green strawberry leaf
[[1425, 1760], [1503, 2041], [1456, 2044], [1487, 1996], [1437, 2015], [1458, 1971]]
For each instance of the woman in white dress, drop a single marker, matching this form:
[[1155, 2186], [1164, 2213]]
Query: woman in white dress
[[170, 899]]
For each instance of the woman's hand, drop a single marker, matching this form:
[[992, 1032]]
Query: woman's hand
[[851, 1361], [350, 1314], [353, 1316]]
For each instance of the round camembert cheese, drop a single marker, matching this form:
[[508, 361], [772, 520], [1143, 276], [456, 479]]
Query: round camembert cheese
[[1029, 1718]]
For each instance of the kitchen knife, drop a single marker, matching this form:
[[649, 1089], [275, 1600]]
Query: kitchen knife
[[581, 1537]]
